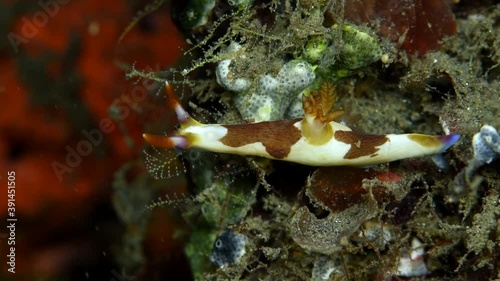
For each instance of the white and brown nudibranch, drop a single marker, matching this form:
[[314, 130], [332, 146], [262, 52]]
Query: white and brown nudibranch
[[315, 140]]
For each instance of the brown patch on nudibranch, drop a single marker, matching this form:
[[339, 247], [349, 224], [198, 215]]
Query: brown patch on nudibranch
[[361, 144], [425, 140], [276, 136]]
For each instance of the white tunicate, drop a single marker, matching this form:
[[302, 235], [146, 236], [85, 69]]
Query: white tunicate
[[273, 95], [257, 108], [265, 110], [295, 110], [292, 79], [222, 73], [482, 152], [491, 137], [268, 83], [295, 76]]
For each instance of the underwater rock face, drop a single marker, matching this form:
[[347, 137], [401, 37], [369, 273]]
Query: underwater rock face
[[324, 235], [339, 191]]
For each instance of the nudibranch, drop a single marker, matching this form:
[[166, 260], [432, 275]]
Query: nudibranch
[[314, 140]]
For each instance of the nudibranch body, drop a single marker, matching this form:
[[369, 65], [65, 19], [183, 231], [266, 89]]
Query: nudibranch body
[[315, 140]]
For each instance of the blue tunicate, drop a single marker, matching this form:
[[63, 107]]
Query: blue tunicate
[[228, 248]]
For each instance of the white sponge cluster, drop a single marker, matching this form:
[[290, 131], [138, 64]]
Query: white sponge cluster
[[225, 78], [271, 98], [274, 95], [295, 110]]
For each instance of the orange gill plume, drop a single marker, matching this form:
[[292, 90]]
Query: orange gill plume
[[319, 111]]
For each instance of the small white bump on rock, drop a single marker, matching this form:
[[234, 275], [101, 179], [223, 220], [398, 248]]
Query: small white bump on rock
[[324, 267], [413, 265]]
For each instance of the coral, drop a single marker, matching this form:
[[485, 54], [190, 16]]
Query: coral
[[224, 197], [486, 145]]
